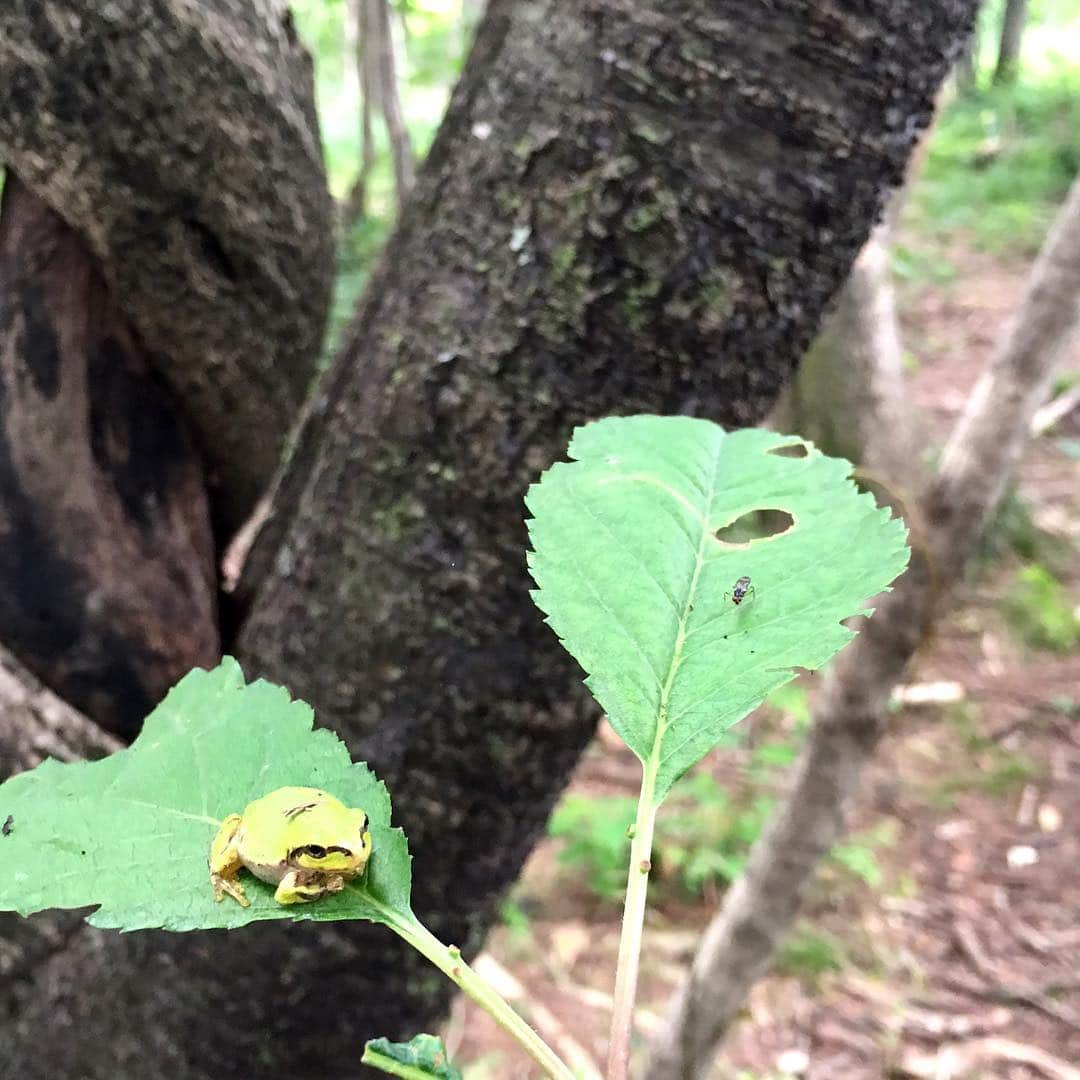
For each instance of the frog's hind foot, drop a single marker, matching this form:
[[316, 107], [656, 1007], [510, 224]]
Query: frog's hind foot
[[223, 885]]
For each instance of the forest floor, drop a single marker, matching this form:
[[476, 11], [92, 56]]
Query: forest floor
[[945, 940]]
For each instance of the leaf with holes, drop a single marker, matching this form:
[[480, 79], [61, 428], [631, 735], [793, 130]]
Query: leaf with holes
[[131, 833], [691, 570]]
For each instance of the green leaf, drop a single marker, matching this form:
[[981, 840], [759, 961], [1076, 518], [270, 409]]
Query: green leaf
[[636, 583], [132, 832], [421, 1058]]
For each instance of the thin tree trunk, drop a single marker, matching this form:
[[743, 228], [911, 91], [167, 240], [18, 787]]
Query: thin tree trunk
[[107, 577], [630, 206], [382, 53], [1012, 34], [967, 67], [360, 67], [848, 396], [850, 716], [179, 139]]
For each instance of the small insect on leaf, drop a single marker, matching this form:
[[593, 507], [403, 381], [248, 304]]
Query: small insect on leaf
[[740, 590], [634, 576], [8, 825]]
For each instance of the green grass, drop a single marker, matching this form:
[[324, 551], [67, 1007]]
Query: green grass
[[702, 838], [357, 255], [999, 164], [703, 834], [1012, 529], [1040, 612], [809, 955]]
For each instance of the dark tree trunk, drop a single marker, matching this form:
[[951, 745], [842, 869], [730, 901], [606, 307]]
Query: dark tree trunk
[[107, 578], [630, 206], [179, 138], [1012, 35]]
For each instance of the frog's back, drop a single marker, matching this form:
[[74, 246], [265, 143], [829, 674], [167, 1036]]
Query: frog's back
[[276, 809]]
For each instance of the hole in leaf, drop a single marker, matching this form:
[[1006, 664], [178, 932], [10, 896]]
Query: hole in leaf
[[795, 449], [756, 525]]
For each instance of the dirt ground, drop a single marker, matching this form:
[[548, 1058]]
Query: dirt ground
[[964, 961]]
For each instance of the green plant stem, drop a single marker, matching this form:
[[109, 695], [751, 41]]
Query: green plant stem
[[451, 963], [637, 885]]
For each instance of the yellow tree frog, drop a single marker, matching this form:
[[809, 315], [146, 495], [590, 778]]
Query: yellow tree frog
[[300, 839]]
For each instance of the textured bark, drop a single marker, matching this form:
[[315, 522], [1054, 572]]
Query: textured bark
[[1012, 36], [850, 716], [179, 138], [36, 724], [107, 576], [630, 206]]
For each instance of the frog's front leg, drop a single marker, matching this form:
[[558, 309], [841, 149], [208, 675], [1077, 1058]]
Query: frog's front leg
[[225, 862], [301, 886]]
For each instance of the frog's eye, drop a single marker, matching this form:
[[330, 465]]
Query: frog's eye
[[315, 851]]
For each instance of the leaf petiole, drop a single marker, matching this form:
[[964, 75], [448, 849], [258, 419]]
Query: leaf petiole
[[637, 886], [448, 959]]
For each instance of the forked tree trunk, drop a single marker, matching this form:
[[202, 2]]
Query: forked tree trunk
[[625, 210], [850, 716], [374, 66], [630, 205]]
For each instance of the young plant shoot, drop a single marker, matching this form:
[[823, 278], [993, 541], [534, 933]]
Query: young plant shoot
[[635, 581]]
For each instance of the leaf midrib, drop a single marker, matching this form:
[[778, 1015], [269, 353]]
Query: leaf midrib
[[680, 636]]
